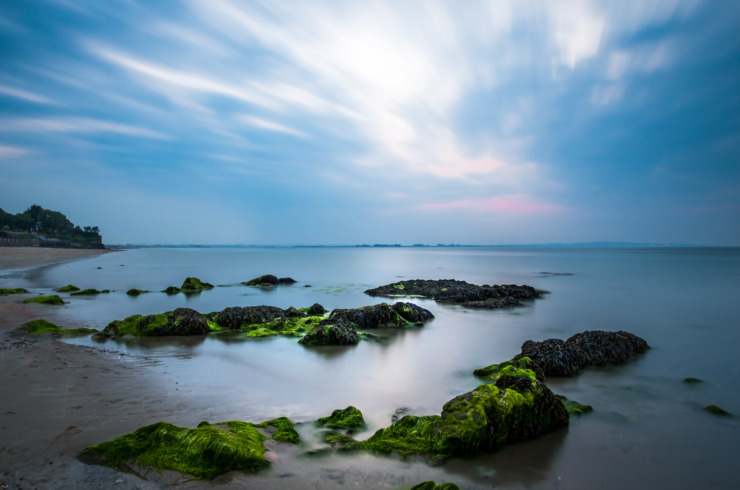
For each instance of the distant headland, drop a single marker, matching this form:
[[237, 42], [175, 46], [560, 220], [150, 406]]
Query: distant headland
[[39, 227]]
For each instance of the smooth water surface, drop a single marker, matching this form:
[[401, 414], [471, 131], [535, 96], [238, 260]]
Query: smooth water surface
[[647, 430]]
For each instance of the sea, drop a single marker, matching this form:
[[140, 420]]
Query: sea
[[648, 428]]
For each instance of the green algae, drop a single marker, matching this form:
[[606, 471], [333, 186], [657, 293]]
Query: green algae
[[349, 418], [137, 325], [407, 436], [45, 300], [431, 485], [204, 452], [69, 288], [522, 367], [136, 292], [40, 326], [289, 327], [399, 286], [284, 430], [575, 408], [715, 410], [89, 292], [6, 291]]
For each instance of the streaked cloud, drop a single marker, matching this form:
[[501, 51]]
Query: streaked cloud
[[23, 94]]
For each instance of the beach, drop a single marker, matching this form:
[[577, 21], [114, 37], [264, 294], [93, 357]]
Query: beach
[[24, 257], [63, 395]]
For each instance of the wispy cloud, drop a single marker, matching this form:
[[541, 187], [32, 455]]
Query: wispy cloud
[[519, 204], [11, 151], [268, 125], [24, 94], [75, 125]]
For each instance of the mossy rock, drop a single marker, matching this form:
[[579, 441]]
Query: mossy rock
[[69, 288], [349, 418], [690, 381], [136, 292], [327, 333], [7, 291], [521, 367], [715, 410], [383, 315], [171, 290], [205, 452], [45, 300], [182, 321], [513, 409], [89, 292], [193, 284], [268, 280], [40, 326], [431, 485]]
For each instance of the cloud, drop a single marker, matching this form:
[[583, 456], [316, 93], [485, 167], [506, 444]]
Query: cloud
[[268, 125], [518, 204], [24, 94], [11, 151], [74, 125]]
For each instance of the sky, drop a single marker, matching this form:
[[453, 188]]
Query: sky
[[349, 122]]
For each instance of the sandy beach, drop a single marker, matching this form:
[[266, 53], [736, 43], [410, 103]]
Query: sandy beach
[[25, 257], [64, 393]]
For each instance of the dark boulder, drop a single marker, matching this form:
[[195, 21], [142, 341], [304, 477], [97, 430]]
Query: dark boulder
[[339, 332], [236, 317], [459, 292], [382, 315], [315, 310]]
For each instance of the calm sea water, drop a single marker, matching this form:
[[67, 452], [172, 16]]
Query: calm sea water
[[647, 429]]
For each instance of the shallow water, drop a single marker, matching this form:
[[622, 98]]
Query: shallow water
[[647, 429]]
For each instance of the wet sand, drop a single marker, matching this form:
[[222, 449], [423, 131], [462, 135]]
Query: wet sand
[[25, 257]]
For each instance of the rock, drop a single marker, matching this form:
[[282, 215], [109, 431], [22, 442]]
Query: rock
[[205, 452], [692, 380], [172, 290], [349, 418], [591, 348], [40, 326], [575, 408], [511, 368], [237, 317], [382, 315], [431, 485], [193, 284], [136, 292], [67, 289], [182, 321], [89, 292], [714, 409], [339, 332], [45, 300], [269, 280], [459, 292], [315, 310], [6, 291]]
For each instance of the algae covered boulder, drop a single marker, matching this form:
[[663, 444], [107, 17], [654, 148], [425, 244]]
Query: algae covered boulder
[[136, 292], [182, 321], [45, 300], [7, 291], [69, 288], [193, 284], [511, 368], [515, 408], [383, 315], [204, 452], [349, 418]]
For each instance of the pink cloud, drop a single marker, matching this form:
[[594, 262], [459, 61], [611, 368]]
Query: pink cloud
[[512, 203]]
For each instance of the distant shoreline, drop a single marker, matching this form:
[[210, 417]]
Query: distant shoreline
[[27, 257]]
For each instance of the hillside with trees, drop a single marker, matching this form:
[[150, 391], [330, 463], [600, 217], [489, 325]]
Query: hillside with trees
[[46, 228]]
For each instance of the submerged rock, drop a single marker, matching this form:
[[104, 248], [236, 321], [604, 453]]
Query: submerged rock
[[575, 408], [715, 410], [136, 292], [89, 292], [459, 292], [41, 326], [204, 452], [590, 348], [6, 291], [190, 285], [67, 289]]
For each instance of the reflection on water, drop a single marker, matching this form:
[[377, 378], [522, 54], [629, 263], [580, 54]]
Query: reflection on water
[[647, 429]]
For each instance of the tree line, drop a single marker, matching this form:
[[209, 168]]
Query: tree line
[[48, 223]]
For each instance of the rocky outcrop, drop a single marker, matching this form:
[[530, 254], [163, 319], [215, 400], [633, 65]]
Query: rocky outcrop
[[383, 315], [590, 348], [237, 317], [190, 285], [182, 321], [459, 292], [327, 333]]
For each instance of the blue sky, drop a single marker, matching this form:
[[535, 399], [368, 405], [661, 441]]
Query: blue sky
[[350, 122]]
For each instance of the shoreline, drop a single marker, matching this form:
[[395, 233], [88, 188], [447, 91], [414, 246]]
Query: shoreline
[[12, 258]]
